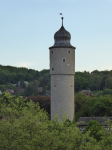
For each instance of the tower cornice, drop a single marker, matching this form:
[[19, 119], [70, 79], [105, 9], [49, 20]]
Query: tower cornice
[[62, 47]]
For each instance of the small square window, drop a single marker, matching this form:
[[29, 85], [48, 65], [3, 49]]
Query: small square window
[[52, 52], [63, 60], [52, 69], [69, 52]]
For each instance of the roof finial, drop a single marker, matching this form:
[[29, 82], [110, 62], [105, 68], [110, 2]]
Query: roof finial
[[62, 18]]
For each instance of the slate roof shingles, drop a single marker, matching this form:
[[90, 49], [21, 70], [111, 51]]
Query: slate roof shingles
[[101, 120]]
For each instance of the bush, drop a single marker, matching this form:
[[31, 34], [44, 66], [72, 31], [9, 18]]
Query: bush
[[105, 92], [27, 127], [94, 128], [100, 106]]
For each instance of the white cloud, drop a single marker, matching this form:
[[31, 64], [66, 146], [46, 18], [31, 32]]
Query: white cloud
[[25, 64]]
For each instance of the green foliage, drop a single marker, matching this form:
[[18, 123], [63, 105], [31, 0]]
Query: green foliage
[[95, 93], [82, 81], [81, 103], [107, 92], [96, 72], [9, 74], [4, 87], [95, 81], [94, 127], [7, 97], [28, 127], [104, 92], [44, 71], [108, 83], [22, 84], [103, 81], [104, 138], [87, 106], [31, 89], [100, 106], [49, 86]]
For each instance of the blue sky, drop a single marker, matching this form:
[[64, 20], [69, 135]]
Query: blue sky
[[27, 29]]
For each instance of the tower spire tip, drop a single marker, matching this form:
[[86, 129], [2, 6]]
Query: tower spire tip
[[62, 20]]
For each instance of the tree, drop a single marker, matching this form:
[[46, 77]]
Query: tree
[[108, 83], [100, 106], [43, 83], [94, 127], [103, 81], [49, 86], [95, 72], [29, 91], [28, 128], [106, 141], [96, 81], [81, 81], [22, 84], [105, 92], [44, 102], [44, 71], [81, 105]]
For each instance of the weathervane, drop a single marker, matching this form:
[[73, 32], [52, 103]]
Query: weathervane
[[62, 18]]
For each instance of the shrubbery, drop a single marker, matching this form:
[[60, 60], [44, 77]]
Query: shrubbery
[[27, 127], [105, 92]]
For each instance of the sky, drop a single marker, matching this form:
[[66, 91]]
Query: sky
[[27, 29]]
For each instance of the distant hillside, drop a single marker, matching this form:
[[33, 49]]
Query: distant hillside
[[94, 81], [10, 74]]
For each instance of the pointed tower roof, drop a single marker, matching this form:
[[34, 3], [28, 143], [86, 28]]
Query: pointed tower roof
[[62, 38]]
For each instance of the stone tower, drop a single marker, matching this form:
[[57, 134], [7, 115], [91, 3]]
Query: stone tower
[[62, 70]]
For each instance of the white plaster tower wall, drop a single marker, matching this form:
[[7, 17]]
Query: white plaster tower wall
[[62, 60], [62, 70]]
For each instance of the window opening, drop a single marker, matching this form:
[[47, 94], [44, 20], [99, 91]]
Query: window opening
[[63, 60], [54, 85], [52, 52], [52, 69], [69, 52]]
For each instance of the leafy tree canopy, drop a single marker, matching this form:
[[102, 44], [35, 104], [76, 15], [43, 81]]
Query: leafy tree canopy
[[28, 128], [100, 106], [94, 127]]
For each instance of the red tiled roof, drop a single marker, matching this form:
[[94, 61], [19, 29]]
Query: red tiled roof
[[10, 90]]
